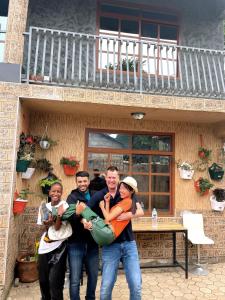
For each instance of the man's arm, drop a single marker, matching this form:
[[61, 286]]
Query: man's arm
[[128, 215]]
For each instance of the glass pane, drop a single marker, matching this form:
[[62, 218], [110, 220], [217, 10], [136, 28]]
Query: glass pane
[[148, 142], [160, 202], [128, 26], [140, 163], [160, 164], [144, 201], [98, 161], [159, 16], [168, 33], [142, 182], [120, 161], [165, 143], [160, 183], [109, 24], [149, 30], [119, 10], [108, 140]]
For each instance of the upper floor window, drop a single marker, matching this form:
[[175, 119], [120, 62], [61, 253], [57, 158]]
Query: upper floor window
[[131, 26], [3, 24], [146, 157]]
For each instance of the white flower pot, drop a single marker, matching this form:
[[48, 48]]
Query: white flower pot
[[186, 174], [44, 144], [215, 205], [28, 174]]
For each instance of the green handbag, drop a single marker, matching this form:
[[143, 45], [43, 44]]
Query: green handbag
[[216, 172]]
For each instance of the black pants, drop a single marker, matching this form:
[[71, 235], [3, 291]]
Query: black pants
[[52, 275]]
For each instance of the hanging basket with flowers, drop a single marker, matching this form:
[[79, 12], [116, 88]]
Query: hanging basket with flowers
[[204, 153], [70, 165], [186, 170], [202, 186]]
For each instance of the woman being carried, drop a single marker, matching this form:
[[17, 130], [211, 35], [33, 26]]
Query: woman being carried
[[104, 232]]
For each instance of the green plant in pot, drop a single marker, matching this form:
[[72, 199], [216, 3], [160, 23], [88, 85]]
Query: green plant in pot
[[44, 165], [26, 151], [70, 165], [204, 153], [202, 186], [217, 199], [45, 183], [20, 200], [186, 169]]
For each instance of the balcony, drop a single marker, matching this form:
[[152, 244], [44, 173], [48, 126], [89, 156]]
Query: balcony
[[64, 58]]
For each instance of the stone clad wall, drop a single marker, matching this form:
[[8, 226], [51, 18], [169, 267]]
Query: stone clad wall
[[8, 225]]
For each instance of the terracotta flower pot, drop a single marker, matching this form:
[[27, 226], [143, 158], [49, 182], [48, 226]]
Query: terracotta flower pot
[[69, 170], [19, 205], [27, 271]]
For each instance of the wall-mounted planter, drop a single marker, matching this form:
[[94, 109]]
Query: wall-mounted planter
[[22, 165], [69, 170], [216, 205], [28, 174], [216, 172], [44, 144], [19, 205], [186, 174]]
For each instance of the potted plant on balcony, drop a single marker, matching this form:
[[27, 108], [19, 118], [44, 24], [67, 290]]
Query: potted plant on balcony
[[70, 165], [216, 172], [20, 200], [202, 186], [45, 183], [217, 199], [186, 170]]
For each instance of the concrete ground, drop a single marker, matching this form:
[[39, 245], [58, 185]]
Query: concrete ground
[[157, 284]]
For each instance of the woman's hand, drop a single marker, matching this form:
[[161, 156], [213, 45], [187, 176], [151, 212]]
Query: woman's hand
[[48, 222], [87, 224], [102, 204]]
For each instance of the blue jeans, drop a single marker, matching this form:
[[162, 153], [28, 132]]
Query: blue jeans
[[79, 253], [111, 256]]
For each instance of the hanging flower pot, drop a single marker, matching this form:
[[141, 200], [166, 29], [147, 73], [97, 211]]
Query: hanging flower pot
[[202, 186], [28, 174], [22, 165], [45, 183], [216, 172], [186, 174], [44, 144], [19, 205], [216, 205], [204, 154], [70, 165], [69, 170]]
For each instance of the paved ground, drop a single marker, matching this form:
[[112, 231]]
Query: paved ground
[[157, 284]]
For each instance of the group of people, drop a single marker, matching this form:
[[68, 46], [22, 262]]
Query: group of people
[[97, 218]]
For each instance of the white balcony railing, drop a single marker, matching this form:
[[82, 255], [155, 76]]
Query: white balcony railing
[[77, 59]]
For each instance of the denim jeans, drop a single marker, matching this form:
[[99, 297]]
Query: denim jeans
[[79, 254], [111, 257]]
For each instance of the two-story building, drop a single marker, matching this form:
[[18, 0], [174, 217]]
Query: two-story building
[[88, 71]]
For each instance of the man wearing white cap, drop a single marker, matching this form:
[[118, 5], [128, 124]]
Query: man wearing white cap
[[124, 247]]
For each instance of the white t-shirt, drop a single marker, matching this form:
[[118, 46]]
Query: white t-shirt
[[43, 246]]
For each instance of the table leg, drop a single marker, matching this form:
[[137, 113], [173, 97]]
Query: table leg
[[186, 254]]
